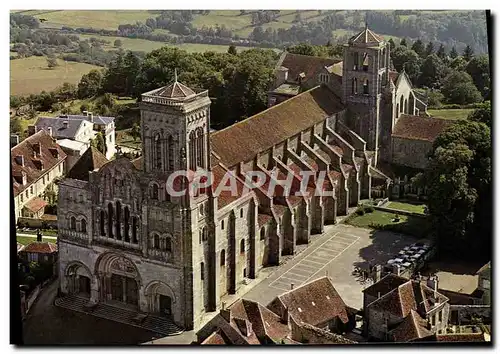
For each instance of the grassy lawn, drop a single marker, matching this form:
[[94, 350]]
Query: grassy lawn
[[105, 19], [407, 206], [124, 138], [144, 45], [450, 113], [31, 75], [230, 18], [381, 220], [44, 232], [27, 240]]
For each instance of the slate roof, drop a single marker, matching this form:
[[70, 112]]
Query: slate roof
[[91, 160], [59, 130], [420, 128], [96, 119], [318, 302], [242, 141], [32, 164], [307, 64], [366, 36], [35, 204], [40, 247], [413, 327]]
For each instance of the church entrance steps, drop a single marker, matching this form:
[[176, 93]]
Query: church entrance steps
[[157, 324]]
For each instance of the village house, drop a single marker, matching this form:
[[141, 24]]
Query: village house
[[130, 241], [401, 311], [75, 132], [36, 163], [41, 252]]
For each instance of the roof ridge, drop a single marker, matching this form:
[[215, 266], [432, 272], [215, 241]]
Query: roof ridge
[[268, 109], [302, 285]]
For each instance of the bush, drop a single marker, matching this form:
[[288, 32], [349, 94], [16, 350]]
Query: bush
[[360, 211], [369, 209]]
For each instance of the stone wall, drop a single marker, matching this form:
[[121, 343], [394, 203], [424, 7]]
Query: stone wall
[[410, 152]]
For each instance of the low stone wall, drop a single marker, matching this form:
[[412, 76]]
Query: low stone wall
[[37, 223]]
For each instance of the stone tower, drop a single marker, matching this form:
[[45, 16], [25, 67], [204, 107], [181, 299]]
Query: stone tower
[[175, 124], [366, 62]]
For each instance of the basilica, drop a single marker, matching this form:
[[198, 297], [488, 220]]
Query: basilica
[[125, 241]]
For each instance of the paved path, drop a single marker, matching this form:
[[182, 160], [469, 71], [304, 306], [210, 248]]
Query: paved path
[[335, 253]]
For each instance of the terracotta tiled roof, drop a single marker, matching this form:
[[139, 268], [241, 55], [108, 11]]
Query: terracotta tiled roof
[[52, 155], [420, 128], [40, 247], [330, 337], [242, 141], [366, 36], [137, 163], [215, 339], [413, 327], [315, 303], [175, 90], [225, 197], [460, 337], [263, 219], [309, 65], [35, 204], [91, 160], [384, 285]]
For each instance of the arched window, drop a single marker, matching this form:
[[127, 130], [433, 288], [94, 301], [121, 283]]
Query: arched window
[[154, 191], [118, 220], [83, 225], [263, 233], [127, 226], [170, 145], [134, 229], [366, 89], [222, 225], [355, 60], [192, 151], [72, 223], [222, 258], [156, 241], [199, 147], [366, 61], [202, 271], [242, 246], [354, 86], [110, 220], [241, 212], [168, 244], [406, 106], [397, 110], [401, 104], [157, 152], [204, 234], [101, 223]]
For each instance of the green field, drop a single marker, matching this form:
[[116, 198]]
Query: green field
[[105, 19], [376, 217], [144, 45], [407, 206], [450, 113], [31, 75], [27, 240]]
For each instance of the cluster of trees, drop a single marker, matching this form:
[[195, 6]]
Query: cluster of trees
[[264, 16], [237, 82], [328, 50], [447, 77], [459, 182]]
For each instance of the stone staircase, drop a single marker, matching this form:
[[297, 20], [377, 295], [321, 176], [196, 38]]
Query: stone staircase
[[157, 324]]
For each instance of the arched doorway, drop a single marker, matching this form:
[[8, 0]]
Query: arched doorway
[[119, 279], [78, 279], [160, 298]]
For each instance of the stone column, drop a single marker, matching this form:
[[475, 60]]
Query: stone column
[[94, 289]]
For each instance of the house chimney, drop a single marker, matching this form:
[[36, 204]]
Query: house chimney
[[291, 286], [378, 295], [225, 313], [37, 147], [20, 160], [24, 178], [65, 124], [32, 129], [49, 130], [14, 140], [286, 316]]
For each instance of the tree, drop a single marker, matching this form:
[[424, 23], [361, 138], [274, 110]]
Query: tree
[[458, 179], [441, 53], [403, 42], [432, 71], [482, 114], [418, 47], [99, 143], [232, 50], [15, 101], [407, 59], [453, 52], [429, 49], [117, 43], [90, 84], [298, 17], [84, 107], [135, 132], [52, 62], [479, 69], [458, 88], [302, 48], [468, 53], [392, 44], [16, 126], [434, 98]]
